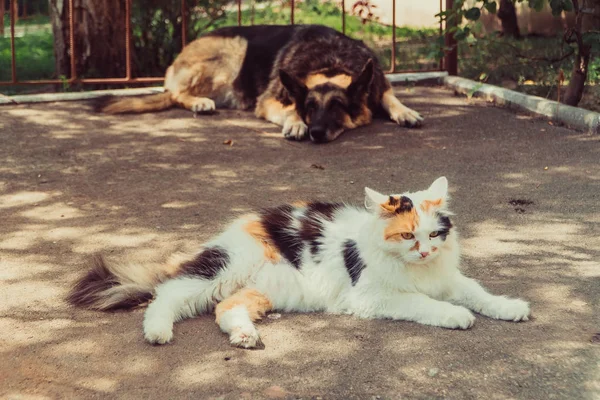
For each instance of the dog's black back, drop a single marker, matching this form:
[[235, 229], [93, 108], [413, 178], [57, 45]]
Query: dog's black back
[[300, 50]]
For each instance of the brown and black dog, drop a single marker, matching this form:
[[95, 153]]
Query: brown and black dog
[[311, 80]]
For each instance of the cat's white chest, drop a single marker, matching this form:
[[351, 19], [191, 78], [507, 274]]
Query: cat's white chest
[[432, 279]]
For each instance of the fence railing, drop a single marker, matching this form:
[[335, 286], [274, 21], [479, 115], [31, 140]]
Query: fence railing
[[448, 63]]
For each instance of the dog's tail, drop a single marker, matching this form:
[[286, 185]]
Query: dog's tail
[[109, 287], [134, 104]]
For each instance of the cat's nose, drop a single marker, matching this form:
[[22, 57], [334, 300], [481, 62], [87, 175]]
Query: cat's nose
[[424, 254]]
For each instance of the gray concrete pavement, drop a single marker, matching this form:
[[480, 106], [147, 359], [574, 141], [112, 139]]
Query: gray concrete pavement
[[73, 183]]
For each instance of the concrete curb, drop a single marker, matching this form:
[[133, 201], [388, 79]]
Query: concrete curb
[[417, 77], [572, 116], [395, 79], [48, 97]]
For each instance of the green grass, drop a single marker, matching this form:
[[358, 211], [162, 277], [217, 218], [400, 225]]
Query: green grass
[[34, 53], [35, 57], [412, 46], [30, 20]]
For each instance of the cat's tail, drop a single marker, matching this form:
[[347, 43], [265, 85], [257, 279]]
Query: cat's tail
[[109, 287]]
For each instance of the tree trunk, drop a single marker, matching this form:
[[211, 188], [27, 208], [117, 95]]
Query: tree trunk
[[508, 17], [99, 37], [587, 19]]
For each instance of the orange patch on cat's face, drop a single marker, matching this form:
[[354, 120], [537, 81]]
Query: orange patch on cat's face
[[429, 204], [405, 222]]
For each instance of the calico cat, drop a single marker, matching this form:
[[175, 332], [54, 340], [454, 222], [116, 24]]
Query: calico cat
[[397, 258]]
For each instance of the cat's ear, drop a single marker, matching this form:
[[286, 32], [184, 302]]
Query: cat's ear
[[373, 199], [377, 202], [437, 195], [438, 189]]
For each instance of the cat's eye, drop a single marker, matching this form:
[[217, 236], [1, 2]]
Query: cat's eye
[[434, 234], [407, 235]]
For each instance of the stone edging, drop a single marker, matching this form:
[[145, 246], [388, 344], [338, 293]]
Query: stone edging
[[48, 97], [575, 117], [417, 77]]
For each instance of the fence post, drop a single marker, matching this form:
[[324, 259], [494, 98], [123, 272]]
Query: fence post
[[451, 56]]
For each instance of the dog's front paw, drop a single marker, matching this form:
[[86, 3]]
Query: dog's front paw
[[406, 116], [247, 337], [294, 129], [203, 104], [457, 317], [158, 333], [509, 309]]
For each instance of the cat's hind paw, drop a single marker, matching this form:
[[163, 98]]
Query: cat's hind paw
[[509, 309], [247, 338]]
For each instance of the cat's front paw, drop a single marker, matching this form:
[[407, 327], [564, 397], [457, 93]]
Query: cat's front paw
[[158, 335], [509, 309], [158, 331], [457, 317], [247, 338]]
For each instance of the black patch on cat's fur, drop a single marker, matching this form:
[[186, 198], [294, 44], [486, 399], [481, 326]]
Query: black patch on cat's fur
[[207, 264], [312, 223], [278, 224], [393, 201], [406, 205], [446, 225], [352, 260]]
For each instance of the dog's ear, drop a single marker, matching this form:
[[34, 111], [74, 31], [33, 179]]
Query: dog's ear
[[360, 85], [295, 88]]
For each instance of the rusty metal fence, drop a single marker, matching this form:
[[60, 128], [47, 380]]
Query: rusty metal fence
[[448, 63]]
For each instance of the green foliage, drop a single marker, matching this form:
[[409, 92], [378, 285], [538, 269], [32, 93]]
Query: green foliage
[[473, 14], [535, 61], [413, 47], [36, 19], [531, 65], [458, 13], [537, 5], [497, 59], [594, 71], [558, 6], [35, 57], [156, 34], [491, 7]]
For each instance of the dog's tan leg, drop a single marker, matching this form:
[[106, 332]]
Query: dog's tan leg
[[236, 314], [274, 111], [195, 104], [398, 112]]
